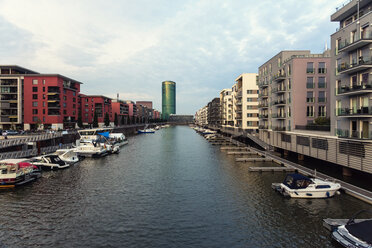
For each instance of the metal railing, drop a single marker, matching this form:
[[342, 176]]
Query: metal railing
[[356, 87], [313, 127], [354, 111], [24, 140], [354, 134]]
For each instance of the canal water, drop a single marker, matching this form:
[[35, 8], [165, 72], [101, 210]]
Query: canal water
[[168, 189]]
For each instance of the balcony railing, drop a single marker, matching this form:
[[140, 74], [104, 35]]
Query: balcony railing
[[361, 64], [263, 105], [346, 46], [354, 134], [279, 128], [281, 115], [263, 116], [314, 127], [310, 99], [354, 88], [354, 111], [263, 127], [279, 102], [310, 70], [279, 77], [322, 70], [279, 89]]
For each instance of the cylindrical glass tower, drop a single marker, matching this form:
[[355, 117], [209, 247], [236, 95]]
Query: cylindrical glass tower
[[168, 99]]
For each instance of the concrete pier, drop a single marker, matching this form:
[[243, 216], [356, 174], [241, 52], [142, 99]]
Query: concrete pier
[[271, 169], [254, 160]]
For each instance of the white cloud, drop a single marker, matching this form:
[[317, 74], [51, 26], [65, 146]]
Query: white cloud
[[132, 46]]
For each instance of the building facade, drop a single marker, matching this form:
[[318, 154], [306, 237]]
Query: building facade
[[245, 102], [95, 104], [147, 104], [294, 91], [351, 57], [168, 99], [121, 110], [214, 112], [226, 108]]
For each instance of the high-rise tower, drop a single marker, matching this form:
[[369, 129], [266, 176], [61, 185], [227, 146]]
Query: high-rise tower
[[168, 99]]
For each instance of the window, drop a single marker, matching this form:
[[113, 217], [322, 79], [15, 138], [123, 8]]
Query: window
[[73, 106], [289, 70], [310, 83], [321, 68], [43, 111], [74, 99], [310, 67], [34, 96], [43, 104], [319, 143], [321, 96], [34, 89], [249, 123], [43, 89], [310, 96], [301, 140], [310, 111], [64, 105], [249, 99], [34, 111], [65, 112], [35, 119], [44, 81], [34, 104], [322, 111], [34, 81], [44, 119], [64, 91], [43, 96], [64, 98], [86, 110], [321, 82], [249, 115], [86, 115], [74, 93]]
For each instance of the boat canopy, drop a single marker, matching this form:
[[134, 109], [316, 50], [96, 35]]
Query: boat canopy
[[361, 230], [105, 134], [297, 181]]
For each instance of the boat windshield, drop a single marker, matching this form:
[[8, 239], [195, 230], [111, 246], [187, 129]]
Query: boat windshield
[[297, 181]]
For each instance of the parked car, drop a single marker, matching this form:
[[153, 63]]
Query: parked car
[[10, 132]]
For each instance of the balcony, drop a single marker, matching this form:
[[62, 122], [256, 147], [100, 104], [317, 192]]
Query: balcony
[[263, 127], [263, 116], [238, 102], [263, 95], [279, 128], [54, 105], [364, 87], [278, 116], [279, 102], [54, 112], [354, 134], [350, 46], [279, 77], [53, 90], [263, 105], [314, 127], [279, 90], [350, 112], [239, 95], [362, 64], [263, 84]]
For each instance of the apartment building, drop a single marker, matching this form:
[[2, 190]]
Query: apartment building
[[201, 116], [351, 48], [121, 109], [11, 95], [30, 100], [226, 108], [294, 91], [214, 112], [245, 102], [95, 104]]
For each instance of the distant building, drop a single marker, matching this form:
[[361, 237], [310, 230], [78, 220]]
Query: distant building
[[121, 109], [147, 104], [182, 119], [214, 112], [168, 99], [226, 108], [91, 104]]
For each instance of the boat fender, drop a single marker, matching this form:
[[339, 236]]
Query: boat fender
[[327, 194], [309, 194], [296, 193]]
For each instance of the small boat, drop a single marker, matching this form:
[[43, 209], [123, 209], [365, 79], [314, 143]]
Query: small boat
[[147, 130], [67, 155], [50, 162], [16, 172], [208, 131], [157, 128], [354, 233], [118, 139], [300, 186], [111, 148], [93, 149]]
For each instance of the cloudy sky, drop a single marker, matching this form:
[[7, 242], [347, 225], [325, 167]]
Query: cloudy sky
[[130, 47]]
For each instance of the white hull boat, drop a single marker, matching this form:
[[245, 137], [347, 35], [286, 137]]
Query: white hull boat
[[91, 150], [299, 186], [50, 162], [67, 155]]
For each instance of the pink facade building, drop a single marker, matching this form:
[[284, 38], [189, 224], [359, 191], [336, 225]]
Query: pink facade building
[[91, 104]]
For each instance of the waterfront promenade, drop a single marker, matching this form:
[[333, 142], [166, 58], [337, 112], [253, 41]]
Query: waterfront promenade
[[168, 189]]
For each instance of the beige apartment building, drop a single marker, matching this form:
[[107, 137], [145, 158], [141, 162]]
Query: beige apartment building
[[226, 108], [245, 102]]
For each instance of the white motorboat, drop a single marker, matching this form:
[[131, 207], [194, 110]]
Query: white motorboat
[[118, 139], [208, 131], [50, 162], [92, 149], [67, 155], [146, 130], [354, 233], [16, 172], [299, 186]]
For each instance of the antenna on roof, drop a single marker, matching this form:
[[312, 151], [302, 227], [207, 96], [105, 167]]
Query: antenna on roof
[[117, 96], [326, 46]]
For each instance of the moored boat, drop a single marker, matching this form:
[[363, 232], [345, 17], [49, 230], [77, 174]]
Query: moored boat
[[300, 186], [67, 155], [16, 172], [147, 130], [91, 149], [353, 233], [118, 139], [50, 162]]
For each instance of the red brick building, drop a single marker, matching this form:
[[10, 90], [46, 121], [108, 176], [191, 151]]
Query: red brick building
[[98, 104], [121, 109]]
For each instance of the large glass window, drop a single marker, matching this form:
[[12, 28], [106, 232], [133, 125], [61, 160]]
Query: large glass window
[[321, 96], [310, 67], [310, 111], [322, 82], [310, 96], [310, 83], [322, 67]]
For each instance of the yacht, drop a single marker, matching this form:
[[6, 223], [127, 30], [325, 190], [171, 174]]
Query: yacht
[[118, 139], [67, 155], [354, 233], [299, 186], [50, 162], [89, 148], [16, 172]]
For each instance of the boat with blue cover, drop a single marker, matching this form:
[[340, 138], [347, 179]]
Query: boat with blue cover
[[300, 186]]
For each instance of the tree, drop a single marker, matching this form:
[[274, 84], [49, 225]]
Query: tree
[[95, 119], [80, 120], [122, 120], [323, 121], [116, 121], [107, 119]]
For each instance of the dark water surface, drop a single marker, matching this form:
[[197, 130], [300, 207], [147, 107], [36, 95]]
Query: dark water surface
[[168, 189]]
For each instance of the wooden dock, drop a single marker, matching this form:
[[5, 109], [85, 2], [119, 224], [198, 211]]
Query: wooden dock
[[254, 160], [271, 169], [233, 147], [241, 153]]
